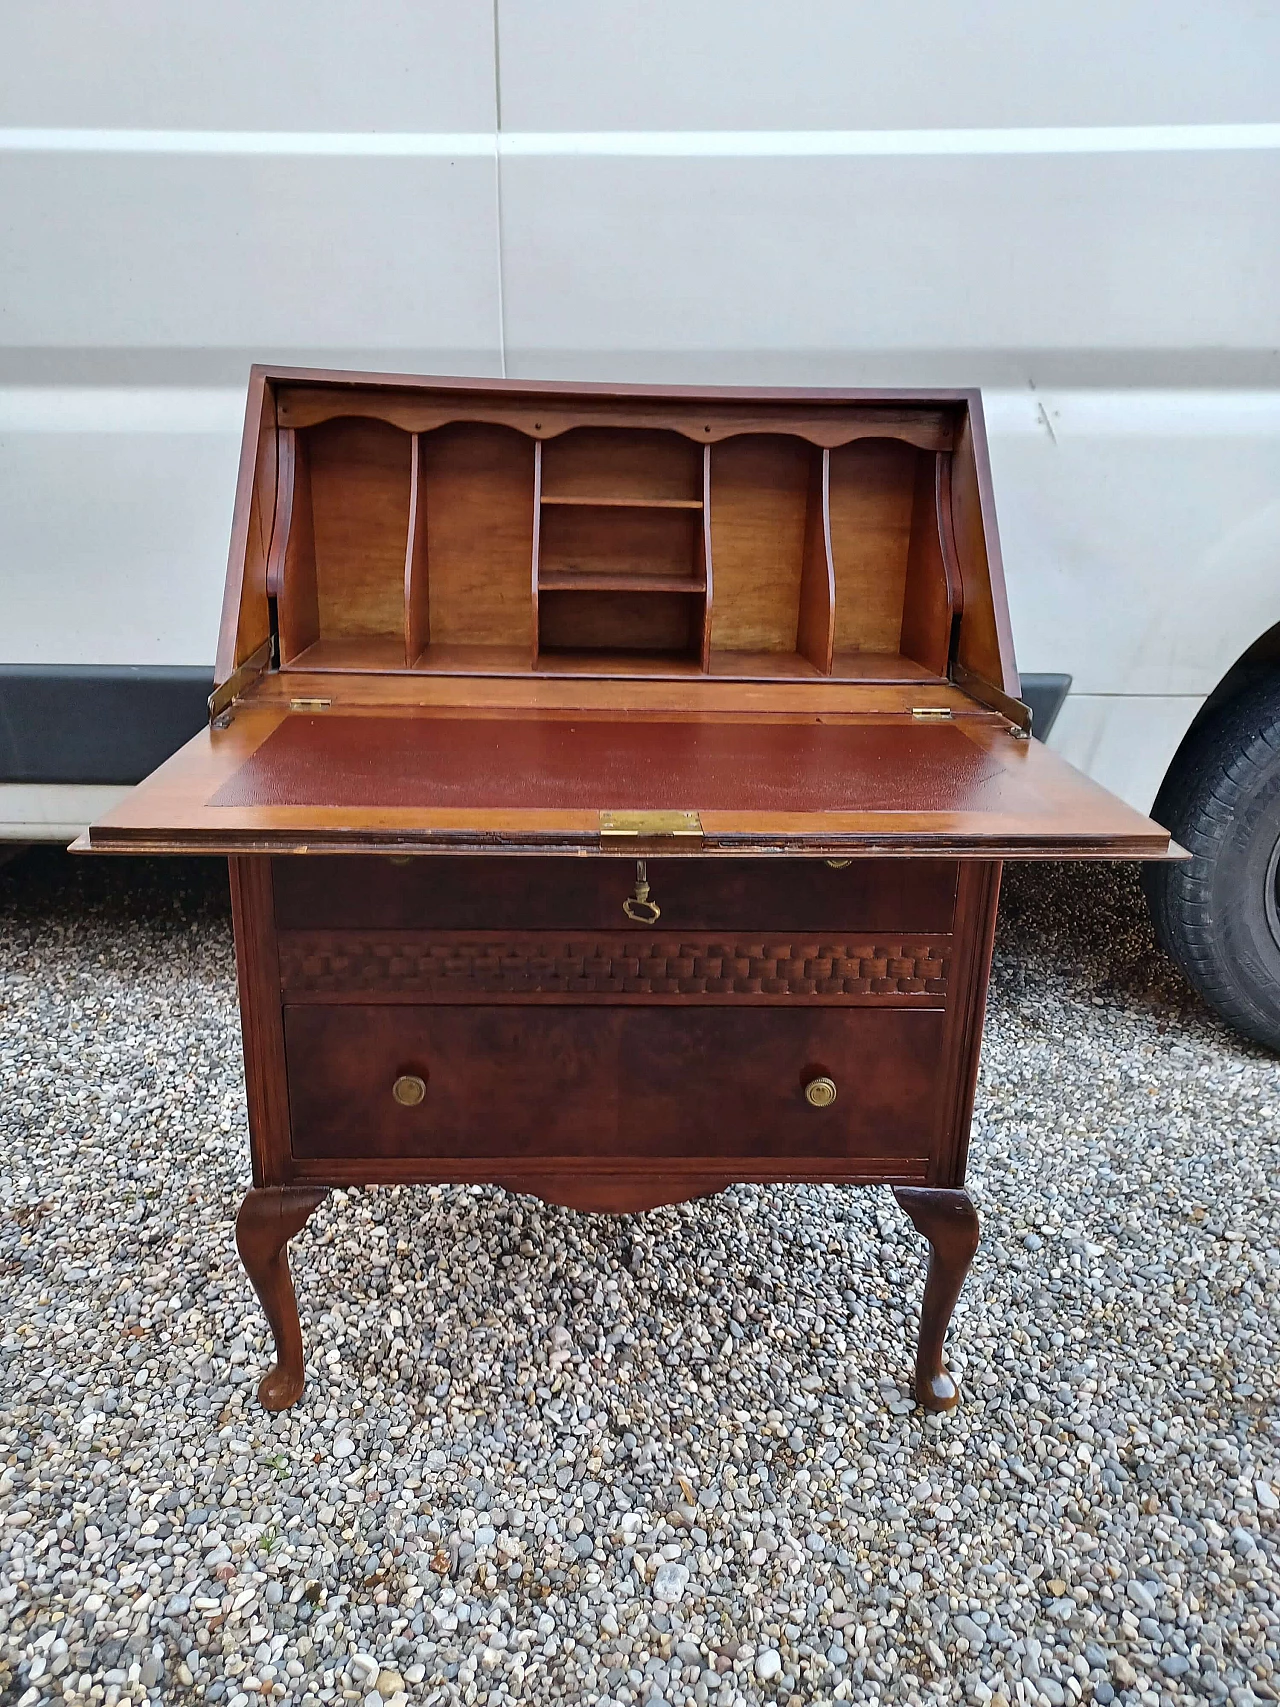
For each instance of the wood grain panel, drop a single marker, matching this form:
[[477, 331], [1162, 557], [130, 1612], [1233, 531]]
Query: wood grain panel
[[360, 481], [815, 630], [626, 1083], [759, 501], [618, 622], [618, 541], [977, 898], [704, 564], [417, 564], [594, 462], [291, 564], [872, 487], [480, 536], [985, 641], [262, 1031], [245, 623], [932, 596], [707, 416]]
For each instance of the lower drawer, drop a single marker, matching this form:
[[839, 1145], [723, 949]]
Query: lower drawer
[[612, 1082]]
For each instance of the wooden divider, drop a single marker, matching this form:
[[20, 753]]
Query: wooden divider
[[611, 550], [816, 620], [417, 585]]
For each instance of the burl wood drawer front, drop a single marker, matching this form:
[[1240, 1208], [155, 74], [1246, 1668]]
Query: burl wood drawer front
[[787, 894], [615, 1082]]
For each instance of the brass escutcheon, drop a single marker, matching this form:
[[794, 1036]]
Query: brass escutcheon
[[839, 864], [638, 907], [409, 1090], [820, 1093]]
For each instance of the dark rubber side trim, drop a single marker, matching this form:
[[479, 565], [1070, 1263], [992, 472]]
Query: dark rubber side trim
[[104, 723], [1044, 694]]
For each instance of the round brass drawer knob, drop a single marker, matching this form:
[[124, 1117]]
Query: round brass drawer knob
[[820, 1093], [409, 1090]]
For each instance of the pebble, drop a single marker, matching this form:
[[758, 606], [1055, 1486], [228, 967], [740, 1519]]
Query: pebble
[[1141, 1596], [523, 1428], [670, 1581], [972, 1633]]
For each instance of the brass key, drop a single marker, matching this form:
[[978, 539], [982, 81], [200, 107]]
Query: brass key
[[639, 907]]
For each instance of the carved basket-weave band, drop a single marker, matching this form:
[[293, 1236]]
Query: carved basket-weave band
[[551, 963]]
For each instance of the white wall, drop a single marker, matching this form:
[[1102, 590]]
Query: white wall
[[730, 191]]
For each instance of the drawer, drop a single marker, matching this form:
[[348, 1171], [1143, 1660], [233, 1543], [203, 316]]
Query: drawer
[[572, 893], [615, 1083]]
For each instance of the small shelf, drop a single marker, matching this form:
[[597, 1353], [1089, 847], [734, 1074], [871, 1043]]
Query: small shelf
[[383, 655], [881, 667], [847, 667], [554, 660], [380, 654], [636, 503], [566, 581]]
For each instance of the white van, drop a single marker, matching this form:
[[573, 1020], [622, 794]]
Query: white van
[[1077, 209]]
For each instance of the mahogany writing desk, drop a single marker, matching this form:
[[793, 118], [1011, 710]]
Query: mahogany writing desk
[[616, 783]]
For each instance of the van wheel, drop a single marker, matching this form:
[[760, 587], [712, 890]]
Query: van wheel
[[1218, 914]]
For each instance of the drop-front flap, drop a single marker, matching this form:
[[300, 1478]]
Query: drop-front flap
[[481, 615], [475, 780]]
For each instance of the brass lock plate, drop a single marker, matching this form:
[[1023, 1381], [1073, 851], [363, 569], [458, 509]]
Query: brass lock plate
[[616, 827]]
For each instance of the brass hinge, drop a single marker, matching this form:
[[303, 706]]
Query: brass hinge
[[977, 687], [310, 704], [222, 697], [930, 713], [634, 827]]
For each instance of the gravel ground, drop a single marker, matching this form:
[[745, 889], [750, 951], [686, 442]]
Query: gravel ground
[[662, 1459]]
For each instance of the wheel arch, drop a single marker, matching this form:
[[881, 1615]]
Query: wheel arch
[[1259, 659]]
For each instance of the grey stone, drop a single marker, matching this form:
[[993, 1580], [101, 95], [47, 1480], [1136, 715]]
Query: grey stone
[[964, 1626], [768, 1665], [1141, 1596]]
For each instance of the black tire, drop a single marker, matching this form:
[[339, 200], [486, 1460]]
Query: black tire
[[1218, 914]]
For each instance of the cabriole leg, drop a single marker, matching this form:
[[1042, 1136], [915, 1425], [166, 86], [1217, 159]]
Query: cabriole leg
[[268, 1219], [950, 1223]]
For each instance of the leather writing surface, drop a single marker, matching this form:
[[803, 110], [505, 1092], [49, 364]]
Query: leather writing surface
[[601, 764]]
